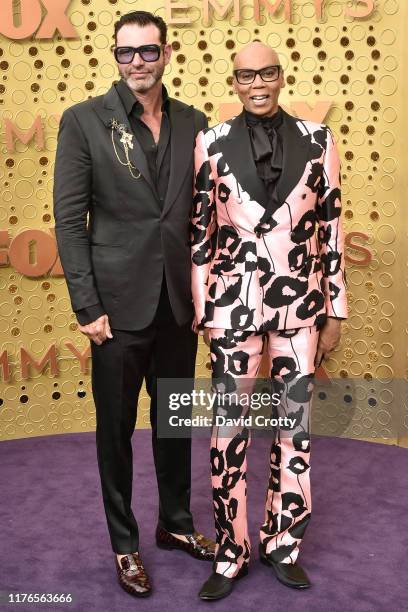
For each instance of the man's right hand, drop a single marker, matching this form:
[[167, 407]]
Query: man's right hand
[[98, 330]]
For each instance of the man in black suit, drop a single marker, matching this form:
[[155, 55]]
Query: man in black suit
[[126, 160]]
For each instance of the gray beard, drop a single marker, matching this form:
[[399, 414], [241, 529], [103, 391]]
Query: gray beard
[[145, 86]]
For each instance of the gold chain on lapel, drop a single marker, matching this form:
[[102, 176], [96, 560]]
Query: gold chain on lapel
[[126, 140]]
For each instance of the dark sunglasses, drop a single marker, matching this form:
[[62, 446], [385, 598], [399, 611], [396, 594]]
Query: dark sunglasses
[[245, 76], [148, 53]]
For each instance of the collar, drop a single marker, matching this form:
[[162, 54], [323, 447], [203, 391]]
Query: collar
[[274, 121], [130, 102]]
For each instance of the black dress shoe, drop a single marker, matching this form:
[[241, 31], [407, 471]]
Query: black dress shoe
[[132, 575], [197, 545], [218, 586], [291, 574]]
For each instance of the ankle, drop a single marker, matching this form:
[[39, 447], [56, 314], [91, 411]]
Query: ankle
[[120, 556]]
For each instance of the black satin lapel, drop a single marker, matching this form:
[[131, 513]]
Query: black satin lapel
[[181, 142], [237, 151], [113, 109], [295, 156]]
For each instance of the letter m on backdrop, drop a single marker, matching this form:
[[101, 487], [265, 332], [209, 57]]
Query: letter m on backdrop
[[272, 9], [13, 132], [222, 11]]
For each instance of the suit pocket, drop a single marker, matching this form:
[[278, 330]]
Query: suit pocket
[[234, 254], [110, 268], [224, 267], [106, 245]]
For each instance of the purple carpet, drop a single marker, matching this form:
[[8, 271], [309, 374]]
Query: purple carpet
[[54, 537]]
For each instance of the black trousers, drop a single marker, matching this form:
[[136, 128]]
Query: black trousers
[[119, 365]]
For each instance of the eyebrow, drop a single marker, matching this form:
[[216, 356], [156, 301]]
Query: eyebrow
[[267, 66]]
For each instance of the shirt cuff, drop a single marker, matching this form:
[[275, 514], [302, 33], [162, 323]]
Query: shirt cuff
[[89, 314]]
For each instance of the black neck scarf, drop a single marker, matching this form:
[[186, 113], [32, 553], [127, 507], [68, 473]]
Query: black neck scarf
[[267, 149]]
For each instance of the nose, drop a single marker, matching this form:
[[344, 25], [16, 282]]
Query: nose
[[137, 61], [258, 82]]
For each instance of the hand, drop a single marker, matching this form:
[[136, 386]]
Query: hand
[[329, 338], [98, 330], [201, 332], [194, 327]]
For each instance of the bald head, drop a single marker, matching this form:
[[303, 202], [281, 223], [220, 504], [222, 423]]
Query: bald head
[[258, 78], [256, 55]]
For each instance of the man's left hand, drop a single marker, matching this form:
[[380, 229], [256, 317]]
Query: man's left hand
[[329, 339], [194, 327]]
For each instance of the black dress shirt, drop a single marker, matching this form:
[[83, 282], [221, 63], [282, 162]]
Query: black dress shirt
[[158, 155], [267, 150], [158, 158]]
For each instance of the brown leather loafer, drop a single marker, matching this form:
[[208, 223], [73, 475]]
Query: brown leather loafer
[[197, 546], [132, 575]]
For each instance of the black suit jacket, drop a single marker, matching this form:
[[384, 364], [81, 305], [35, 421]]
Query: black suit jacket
[[114, 237]]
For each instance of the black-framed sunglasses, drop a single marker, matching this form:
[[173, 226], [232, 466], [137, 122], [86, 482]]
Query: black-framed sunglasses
[[148, 53], [246, 76]]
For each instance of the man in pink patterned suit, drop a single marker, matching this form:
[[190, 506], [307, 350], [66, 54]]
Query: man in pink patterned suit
[[267, 271]]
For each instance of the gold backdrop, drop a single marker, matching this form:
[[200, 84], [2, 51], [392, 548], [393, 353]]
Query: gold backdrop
[[351, 72]]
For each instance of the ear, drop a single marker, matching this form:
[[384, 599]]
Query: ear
[[167, 51], [282, 79]]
